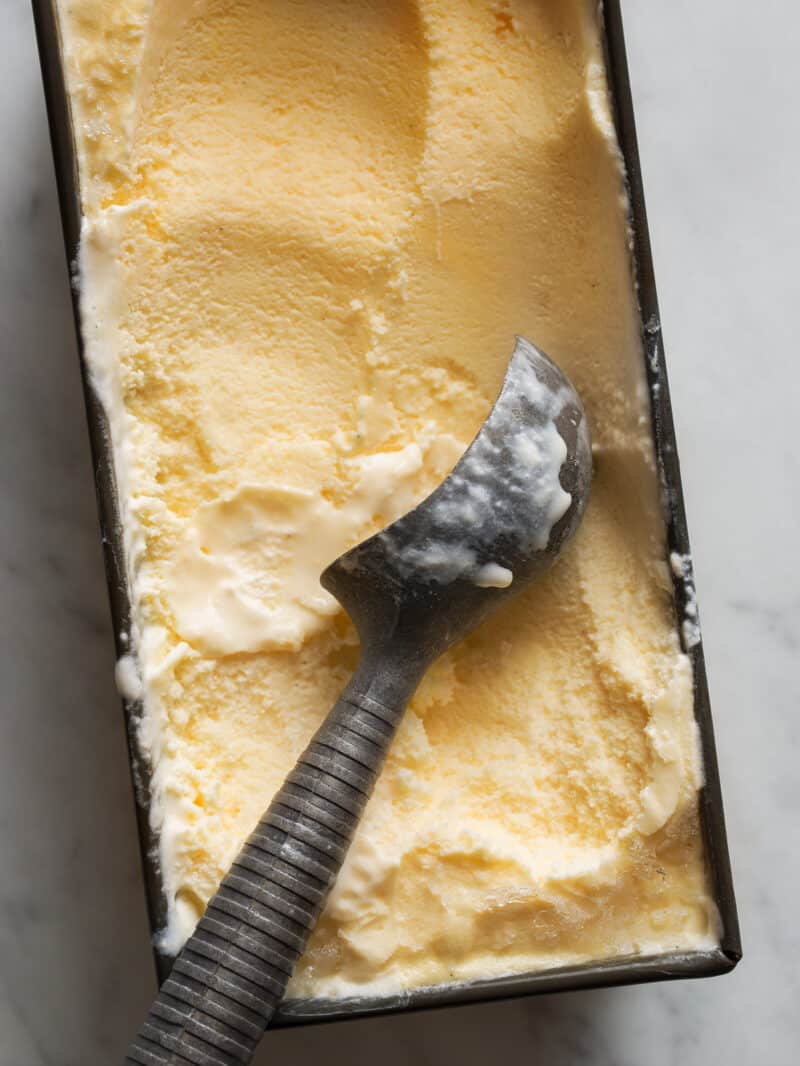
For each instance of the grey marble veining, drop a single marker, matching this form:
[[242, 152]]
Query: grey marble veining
[[716, 87]]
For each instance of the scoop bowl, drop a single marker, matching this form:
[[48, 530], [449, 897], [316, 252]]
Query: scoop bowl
[[500, 518]]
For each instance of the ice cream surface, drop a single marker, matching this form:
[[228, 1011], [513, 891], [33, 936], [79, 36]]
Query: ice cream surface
[[311, 232]]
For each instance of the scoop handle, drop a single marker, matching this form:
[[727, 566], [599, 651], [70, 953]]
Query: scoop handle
[[229, 978]]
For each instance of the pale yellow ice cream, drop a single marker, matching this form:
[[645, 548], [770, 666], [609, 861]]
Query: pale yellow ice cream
[[312, 229]]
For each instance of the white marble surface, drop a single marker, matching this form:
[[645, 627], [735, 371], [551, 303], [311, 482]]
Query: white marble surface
[[716, 87]]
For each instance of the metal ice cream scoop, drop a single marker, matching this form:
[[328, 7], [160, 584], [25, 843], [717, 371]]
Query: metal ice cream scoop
[[497, 521]]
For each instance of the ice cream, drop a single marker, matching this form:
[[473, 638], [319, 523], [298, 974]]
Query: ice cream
[[311, 232]]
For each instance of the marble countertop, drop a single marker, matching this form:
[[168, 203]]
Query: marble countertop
[[715, 88]]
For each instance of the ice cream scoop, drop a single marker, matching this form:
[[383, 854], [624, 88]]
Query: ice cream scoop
[[500, 518]]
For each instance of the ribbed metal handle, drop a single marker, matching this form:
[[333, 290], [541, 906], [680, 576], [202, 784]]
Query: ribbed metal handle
[[227, 981]]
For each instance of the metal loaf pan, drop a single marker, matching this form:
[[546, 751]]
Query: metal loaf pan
[[618, 971]]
